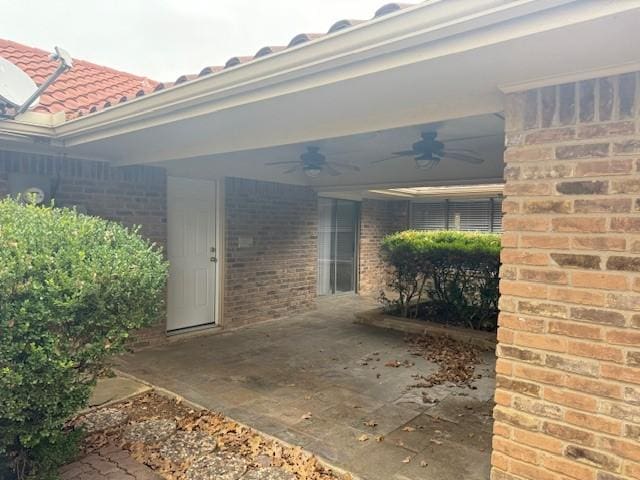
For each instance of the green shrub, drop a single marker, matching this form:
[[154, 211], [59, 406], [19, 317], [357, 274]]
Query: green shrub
[[72, 287], [455, 272]]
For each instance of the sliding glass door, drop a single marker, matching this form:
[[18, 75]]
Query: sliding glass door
[[337, 240]]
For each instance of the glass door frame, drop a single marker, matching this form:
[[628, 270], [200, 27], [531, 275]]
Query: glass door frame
[[356, 248]]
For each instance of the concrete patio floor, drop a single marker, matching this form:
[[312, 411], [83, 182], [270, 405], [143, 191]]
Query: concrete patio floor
[[321, 365]]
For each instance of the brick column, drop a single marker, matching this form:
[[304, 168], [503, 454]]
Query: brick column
[[568, 372], [378, 218]]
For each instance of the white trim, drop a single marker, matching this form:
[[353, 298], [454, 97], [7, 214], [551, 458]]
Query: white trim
[[419, 26], [490, 189], [571, 78], [220, 252]]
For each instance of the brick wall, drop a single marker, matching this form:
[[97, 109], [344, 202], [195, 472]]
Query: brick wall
[[274, 274], [568, 384], [129, 195], [377, 219]]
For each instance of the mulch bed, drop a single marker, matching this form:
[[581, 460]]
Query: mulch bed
[[182, 443]]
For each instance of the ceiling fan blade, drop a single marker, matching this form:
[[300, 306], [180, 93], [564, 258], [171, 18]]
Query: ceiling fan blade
[[463, 151], [330, 170], [471, 137], [404, 153], [345, 166], [424, 164], [294, 168], [286, 162], [463, 158], [389, 158]]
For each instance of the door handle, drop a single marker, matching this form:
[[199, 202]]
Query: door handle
[[213, 259]]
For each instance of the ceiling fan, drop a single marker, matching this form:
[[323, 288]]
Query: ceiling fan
[[312, 163], [429, 152]]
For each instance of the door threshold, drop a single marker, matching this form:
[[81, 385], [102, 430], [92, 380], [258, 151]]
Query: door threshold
[[181, 332]]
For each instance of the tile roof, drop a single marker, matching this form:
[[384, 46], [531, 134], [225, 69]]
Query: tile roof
[[88, 87], [84, 88]]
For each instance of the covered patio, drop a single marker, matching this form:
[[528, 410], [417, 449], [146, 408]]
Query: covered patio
[[545, 92], [320, 381]]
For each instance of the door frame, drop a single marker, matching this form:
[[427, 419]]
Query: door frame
[[218, 267], [356, 253]]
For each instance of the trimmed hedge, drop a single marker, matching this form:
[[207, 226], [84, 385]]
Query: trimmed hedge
[[450, 275], [72, 287]]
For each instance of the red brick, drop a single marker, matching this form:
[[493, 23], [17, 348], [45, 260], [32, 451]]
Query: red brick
[[537, 374], [596, 350], [523, 257], [531, 472], [549, 206], [526, 188], [522, 289], [623, 337], [568, 433], [581, 297], [550, 135], [567, 467], [514, 418], [557, 277], [593, 422], [528, 154], [524, 224], [599, 243], [605, 281], [599, 388], [551, 343], [542, 309], [591, 168], [603, 205], [517, 322], [282, 219], [625, 224], [567, 398], [618, 373], [622, 448], [627, 185], [538, 440], [614, 129], [513, 450], [579, 224], [544, 241], [578, 330]]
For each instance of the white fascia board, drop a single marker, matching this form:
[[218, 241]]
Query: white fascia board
[[422, 25]]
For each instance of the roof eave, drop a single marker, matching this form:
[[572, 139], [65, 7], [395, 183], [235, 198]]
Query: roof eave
[[430, 21]]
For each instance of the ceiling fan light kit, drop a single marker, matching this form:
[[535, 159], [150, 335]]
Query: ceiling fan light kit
[[312, 171], [428, 152]]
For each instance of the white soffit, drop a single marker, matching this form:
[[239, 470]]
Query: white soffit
[[492, 189]]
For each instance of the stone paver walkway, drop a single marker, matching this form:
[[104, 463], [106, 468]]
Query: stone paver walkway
[[110, 463], [319, 381]]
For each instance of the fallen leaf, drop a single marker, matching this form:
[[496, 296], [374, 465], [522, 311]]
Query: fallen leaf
[[406, 460], [379, 438], [307, 416], [408, 429], [423, 464], [370, 423], [363, 438], [436, 442]]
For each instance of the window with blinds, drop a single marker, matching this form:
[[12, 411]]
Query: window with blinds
[[471, 215]]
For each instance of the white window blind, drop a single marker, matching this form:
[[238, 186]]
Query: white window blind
[[477, 215]]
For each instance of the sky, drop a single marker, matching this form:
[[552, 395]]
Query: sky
[[163, 39]]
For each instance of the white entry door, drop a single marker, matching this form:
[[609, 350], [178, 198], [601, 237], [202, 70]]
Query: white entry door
[[191, 250]]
